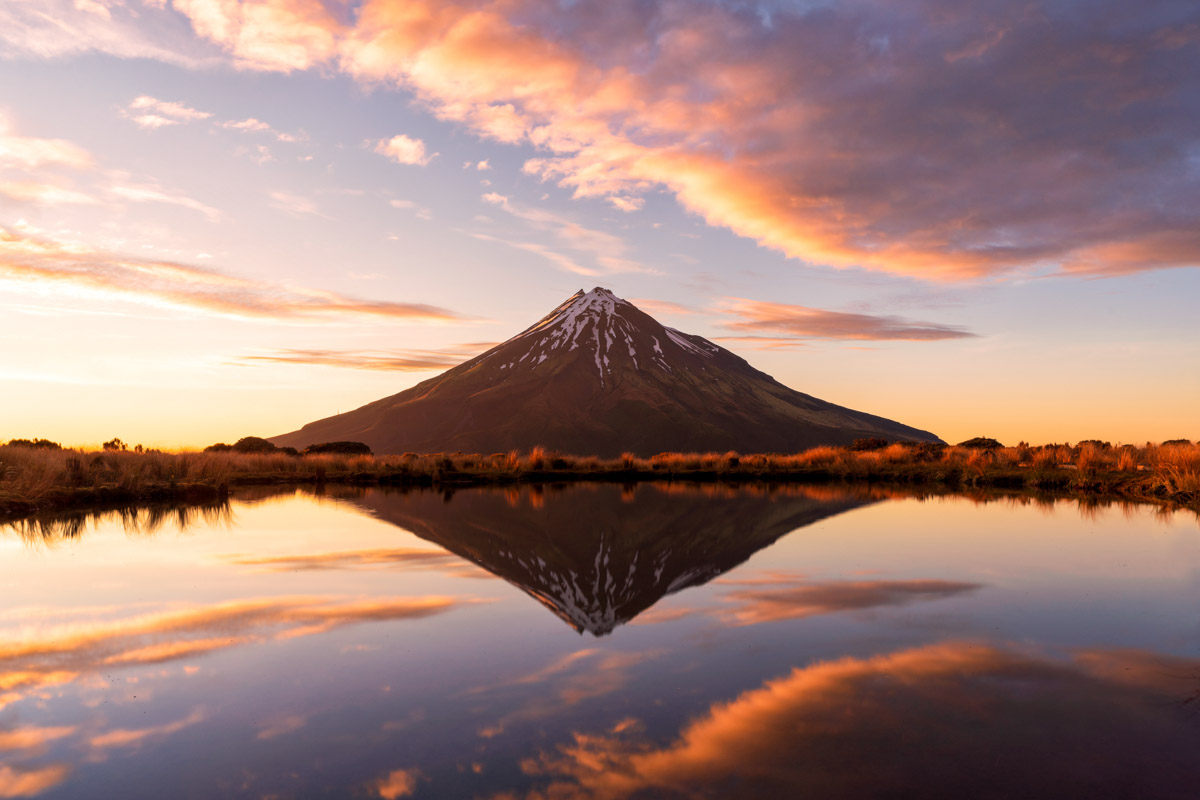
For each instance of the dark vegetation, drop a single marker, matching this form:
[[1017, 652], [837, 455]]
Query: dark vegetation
[[35, 477]]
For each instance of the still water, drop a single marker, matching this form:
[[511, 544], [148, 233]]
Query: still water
[[603, 642]]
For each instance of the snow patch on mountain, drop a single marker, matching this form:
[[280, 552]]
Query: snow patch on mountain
[[599, 323]]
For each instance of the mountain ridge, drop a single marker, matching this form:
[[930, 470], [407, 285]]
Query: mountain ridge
[[598, 376]]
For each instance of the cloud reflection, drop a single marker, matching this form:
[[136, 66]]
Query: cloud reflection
[[55, 655], [947, 720]]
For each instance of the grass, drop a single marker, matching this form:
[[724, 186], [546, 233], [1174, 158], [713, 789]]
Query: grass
[[36, 480]]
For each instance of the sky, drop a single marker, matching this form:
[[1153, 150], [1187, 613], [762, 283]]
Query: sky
[[222, 218]]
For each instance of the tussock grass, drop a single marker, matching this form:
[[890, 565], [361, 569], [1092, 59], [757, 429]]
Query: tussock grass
[[33, 479]]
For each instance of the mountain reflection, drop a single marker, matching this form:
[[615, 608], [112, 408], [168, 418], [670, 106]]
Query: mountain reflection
[[948, 720], [601, 555]]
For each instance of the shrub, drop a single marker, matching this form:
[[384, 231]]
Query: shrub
[[868, 444], [981, 443], [347, 448], [253, 444], [115, 444], [35, 444], [219, 447], [1167, 443]]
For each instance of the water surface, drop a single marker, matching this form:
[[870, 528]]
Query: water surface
[[602, 642]]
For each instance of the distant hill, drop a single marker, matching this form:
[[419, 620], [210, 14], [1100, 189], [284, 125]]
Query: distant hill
[[598, 376]]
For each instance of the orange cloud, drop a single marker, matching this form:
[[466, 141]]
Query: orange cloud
[[267, 34], [400, 361], [968, 142], [773, 321], [939, 721], [28, 259]]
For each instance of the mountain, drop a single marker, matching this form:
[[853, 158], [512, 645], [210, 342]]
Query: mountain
[[598, 556], [598, 376]]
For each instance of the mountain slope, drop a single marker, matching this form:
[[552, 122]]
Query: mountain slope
[[599, 376]]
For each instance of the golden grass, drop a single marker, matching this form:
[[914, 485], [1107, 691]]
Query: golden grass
[[32, 479]]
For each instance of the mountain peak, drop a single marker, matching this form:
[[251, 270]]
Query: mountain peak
[[597, 375]]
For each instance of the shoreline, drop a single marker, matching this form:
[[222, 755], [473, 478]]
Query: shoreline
[[216, 479]]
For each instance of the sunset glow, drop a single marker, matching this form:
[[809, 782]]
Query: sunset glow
[[223, 218]]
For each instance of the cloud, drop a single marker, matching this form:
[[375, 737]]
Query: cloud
[[483, 165], [936, 721], [29, 259], [920, 140], [778, 321], [609, 252], [404, 150], [39, 193], [946, 142], [271, 35], [124, 187], [396, 361], [149, 112], [31, 152], [626, 204], [253, 125], [295, 204]]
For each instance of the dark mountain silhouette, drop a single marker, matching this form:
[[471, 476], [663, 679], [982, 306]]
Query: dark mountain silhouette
[[597, 376], [600, 556]]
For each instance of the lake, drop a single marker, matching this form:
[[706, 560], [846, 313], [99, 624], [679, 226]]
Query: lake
[[602, 641]]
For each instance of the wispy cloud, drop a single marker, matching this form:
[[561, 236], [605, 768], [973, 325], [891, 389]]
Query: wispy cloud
[[607, 251], [295, 204], [125, 187], [25, 258], [390, 361], [773, 323], [30, 152], [253, 125], [404, 150], [149, 112]]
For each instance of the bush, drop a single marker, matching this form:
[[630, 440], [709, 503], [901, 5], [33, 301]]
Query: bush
[[981, 443], [253, 444], [115, 444], [219, 447], [1167, 443], [347, 448], [868, 444], [35, 444]]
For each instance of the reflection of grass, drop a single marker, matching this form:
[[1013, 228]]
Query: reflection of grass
[[36, 479]]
